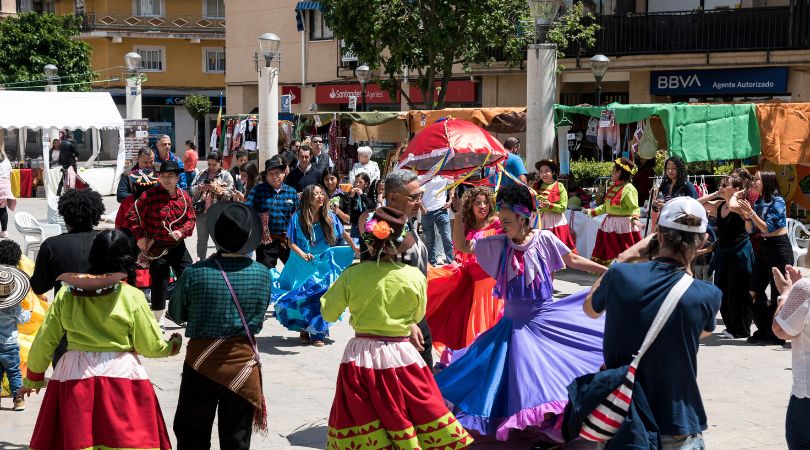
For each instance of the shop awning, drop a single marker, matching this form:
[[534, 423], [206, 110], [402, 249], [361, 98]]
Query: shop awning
[[305, 6], [495, 120], [695, 132], [71, 110]]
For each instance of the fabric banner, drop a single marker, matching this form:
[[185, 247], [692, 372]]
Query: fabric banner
[[783, 128], [497, 120]]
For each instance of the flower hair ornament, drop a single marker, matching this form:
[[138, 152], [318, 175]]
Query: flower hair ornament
[[380, 230], [520, 210], [625, 167]]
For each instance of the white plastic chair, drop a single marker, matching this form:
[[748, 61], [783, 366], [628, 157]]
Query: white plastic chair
[[794, 226], [53, 213], [34, 232]]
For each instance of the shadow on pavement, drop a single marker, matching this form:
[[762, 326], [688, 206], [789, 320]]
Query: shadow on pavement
[[310, 435], [9, 446], [272, 345]]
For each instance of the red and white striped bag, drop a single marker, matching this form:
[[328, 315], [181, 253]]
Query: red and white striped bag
[[604, 421]]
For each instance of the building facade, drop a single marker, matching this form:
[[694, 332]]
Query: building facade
[[182, 45], [660, 51]]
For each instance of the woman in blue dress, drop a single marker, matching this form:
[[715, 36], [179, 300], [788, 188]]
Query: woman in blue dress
[[514, 376], [316, 260]]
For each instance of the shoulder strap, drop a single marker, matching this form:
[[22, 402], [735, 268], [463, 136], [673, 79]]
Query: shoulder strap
[[664, 312], [250, 337]]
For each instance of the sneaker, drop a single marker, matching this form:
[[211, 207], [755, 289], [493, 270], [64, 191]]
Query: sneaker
[[3, 234], [19, 404]]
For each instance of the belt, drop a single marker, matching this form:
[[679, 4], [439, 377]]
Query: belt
[[773, 238], [375, 337]]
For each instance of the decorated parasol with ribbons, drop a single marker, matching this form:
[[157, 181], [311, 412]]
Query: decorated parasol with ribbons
[[453, 148]]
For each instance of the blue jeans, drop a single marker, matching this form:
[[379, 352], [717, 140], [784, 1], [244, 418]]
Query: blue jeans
[[691, 442], [10, 365], [439, 218], [797, 434]]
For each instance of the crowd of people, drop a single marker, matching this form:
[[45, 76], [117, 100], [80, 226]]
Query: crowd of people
[[473, 287]]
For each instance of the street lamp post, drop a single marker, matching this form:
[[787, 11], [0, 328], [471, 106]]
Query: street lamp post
[[50, 75], [268, 97], [133, 94], [363, 74], [541, 88], [599, 65]]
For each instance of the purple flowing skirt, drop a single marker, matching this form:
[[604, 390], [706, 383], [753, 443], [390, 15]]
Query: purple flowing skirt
[[517, 372]]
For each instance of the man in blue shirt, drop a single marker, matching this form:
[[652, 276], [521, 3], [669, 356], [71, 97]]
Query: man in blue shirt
[[163, 152], [632, 294], [513, 164], [275, 202]]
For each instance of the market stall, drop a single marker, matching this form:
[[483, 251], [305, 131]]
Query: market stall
[[50, 112]]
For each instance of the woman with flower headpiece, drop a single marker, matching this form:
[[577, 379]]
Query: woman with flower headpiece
[[620, 229], [515, 375], [462, 304], [316, 260], [386, 396], [552, 199]]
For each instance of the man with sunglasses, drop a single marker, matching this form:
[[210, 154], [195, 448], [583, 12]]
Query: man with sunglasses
[[320, 160], [403, 193]]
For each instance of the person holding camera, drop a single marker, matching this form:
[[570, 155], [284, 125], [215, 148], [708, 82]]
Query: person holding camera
[[209, 187]]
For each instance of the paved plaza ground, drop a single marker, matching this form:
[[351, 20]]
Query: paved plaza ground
[[745, 388]]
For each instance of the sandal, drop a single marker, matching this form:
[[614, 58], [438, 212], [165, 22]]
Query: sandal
[[318, 343], [304, 337]]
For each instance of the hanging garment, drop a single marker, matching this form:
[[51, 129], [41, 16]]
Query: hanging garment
[[213, 144], [251, 136], [593, 130], [610, 136], [648, 144]]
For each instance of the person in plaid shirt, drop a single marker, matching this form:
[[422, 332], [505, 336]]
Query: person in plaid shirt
[[160, 220], [275, 202]]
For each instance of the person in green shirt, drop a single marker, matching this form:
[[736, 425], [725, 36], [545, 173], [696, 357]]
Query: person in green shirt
[[385, 390], [99, 394], [620, 230]]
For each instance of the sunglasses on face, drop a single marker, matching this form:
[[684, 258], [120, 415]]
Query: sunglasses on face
[[413, 198]]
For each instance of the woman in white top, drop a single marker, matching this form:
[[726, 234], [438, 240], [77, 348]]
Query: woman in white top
[[792, 322], [7, 198], [365, 164]]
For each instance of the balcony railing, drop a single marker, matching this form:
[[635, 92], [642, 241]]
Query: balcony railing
[[169, 24], [772, 28], [684, 32]]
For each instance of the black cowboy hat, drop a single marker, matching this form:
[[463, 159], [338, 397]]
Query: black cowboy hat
[[547, 162], [273, 163], [170, 166], [235, 228]]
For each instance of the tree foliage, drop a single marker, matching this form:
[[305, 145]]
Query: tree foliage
[[428, 37], [197, 106], [30, 41], [577, 26]]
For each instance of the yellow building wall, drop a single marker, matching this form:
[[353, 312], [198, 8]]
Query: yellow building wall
[[125, 7], [184, 62]]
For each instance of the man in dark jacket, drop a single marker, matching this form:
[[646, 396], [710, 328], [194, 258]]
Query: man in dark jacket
[[304, 174]]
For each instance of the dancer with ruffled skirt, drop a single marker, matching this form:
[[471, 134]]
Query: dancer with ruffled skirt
[[461, 304], [316, 260], [515, 375]]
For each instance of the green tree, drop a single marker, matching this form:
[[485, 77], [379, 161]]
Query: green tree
[[30, 41], [428, 37], [576, 25], [198, 106]]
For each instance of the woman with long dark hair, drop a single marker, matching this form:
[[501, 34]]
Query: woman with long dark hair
[[110, 327], [674, 184], [313, 266], [768, 216], [339, 201], [733, 258]]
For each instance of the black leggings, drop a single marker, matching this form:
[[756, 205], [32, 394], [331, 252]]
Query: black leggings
[[773, 252], [3, 219]]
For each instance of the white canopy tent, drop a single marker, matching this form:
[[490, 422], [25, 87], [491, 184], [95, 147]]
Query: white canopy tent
[[53, 111]]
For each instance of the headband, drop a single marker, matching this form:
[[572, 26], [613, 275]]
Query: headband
[[625, 167], [520, 210]]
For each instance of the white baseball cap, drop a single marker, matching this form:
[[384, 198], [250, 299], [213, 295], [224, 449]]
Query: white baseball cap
[[679, 207]]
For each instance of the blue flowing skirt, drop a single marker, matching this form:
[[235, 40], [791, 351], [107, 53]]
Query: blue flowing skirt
[[516, 374], [298, 289]]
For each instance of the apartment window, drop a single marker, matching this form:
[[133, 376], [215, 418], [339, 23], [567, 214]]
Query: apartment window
[[37, 6], [148, 7], [215, 9], [318, 30], [214, 60], [153, 59]]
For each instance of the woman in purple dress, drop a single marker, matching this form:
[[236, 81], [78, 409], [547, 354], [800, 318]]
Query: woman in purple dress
[[514, 376]]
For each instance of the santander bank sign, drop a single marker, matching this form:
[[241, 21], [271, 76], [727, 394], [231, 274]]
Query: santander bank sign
[[340, 93]]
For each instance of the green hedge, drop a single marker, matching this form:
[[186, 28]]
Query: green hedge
[[586, 171]]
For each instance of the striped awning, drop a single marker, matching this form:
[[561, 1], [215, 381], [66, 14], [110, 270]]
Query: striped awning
[[300, 7]]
